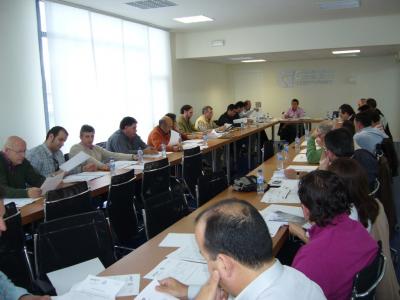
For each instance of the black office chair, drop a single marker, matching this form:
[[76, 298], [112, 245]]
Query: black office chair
[[71, 240], [14, 259], [366, 281], [67, 201], [102, 144], [161, 211], [191, 169], [155, 178], [121, 210], [208, 186]]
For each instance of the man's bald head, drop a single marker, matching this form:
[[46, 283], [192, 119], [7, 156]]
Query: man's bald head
[[166, 124], [14, 149]]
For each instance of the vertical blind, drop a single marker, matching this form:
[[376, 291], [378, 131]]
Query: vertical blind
[[102, 68]]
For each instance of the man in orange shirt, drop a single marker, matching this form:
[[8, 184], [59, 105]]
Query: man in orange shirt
[[161, 134]]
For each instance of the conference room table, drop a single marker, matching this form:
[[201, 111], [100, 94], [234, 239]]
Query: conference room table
[[143, 259]]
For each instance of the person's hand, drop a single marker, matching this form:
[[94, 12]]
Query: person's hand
[[90, 167], [33, 297], [34, 192], [150, 151], [177, 148], [298, 231], [104, 168], [173, 287], [290, 173], [320, 141], [211, 290], [315, 133]]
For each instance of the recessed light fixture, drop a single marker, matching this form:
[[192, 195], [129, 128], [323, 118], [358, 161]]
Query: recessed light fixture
[[253, 60], [339, 4], [346, 51], [194, 19], [241, 58]]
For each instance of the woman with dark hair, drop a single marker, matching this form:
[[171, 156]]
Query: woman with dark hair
[[371, 214], [338, 247]]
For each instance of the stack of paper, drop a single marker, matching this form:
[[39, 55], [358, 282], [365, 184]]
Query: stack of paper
[[124, 164], [214, 134], [302, 168], [74, 161], [84, 176], [300, 158], [175, 138], [193, 143], [285, 193], [278, 215]]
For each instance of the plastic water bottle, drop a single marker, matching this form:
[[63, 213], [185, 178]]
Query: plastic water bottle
[[205, 139], [307, 134], [163, 150], [260, 182], [279, 160], [140, 155], [111, 164], [297, 144], [241, 125], [285, 151]]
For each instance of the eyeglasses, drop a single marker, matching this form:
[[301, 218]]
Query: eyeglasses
[[17, 152]]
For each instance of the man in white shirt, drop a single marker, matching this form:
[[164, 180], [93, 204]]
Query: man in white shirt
[[234, 239]]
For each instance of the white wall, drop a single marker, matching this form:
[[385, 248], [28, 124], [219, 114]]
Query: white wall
[[376, 77], [21, 97]]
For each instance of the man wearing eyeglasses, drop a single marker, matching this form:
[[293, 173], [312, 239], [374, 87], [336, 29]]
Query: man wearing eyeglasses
[[17, 176]]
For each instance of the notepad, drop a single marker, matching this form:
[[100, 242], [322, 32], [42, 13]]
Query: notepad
[[300, 158], [302, 168]]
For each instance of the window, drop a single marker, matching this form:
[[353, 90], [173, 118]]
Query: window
[[99, 69]]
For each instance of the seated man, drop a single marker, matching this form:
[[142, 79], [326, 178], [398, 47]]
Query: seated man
[[125, 139], [372, 104], [205, 122], [367, 136], [247, 111], [17, 176], [234, 240], [47, 157], [228, 116], [318, 136], [295, 111], [99, 156], [184, 123], [8, 291], [288, 132], [161, 135], [239, 109]]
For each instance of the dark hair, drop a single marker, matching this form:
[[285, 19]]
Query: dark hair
[[365, 118], [205, 109], [375, 116], [239, 104], [246, 102], [295, 100], [355, 178], [186, 107], [340, 142], [172, 116], [86, 128], [363, 108], [235, 228], [231, 107], [2, 192], [346, 108], [55, 131], [349, 126], [127, 121], [325, 196], [371, 102]]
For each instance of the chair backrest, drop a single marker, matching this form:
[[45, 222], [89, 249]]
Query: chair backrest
[[155, 178], [120, 206], [209, 186], [386, 148], [71, 240], [67, 201], [191, 168], [367, 279], [14, 260], [102, 144], [161, 211]]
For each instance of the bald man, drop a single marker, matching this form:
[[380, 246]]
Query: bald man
[[17, 176], [161, 134]]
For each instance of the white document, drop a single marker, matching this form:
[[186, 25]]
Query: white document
[[74, 161], [84, 176], [101, 287], [273, 227], [285, 193], [19, 202], [179, 240], [303, 151], [189, 273], [124, 164], [132, 284], [150, 293], [300, 158], [302, 168], [214, 134], [279, 174], [269, 213], [64, 279], [188, 253], [175, 138], [159, 154], [304, 144], [51, 183]]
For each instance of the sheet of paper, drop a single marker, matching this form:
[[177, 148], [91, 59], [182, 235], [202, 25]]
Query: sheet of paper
[[285, 193], [150, 293], [276, 212], [74, 161], [214, 134], [188, 253], [100, 287], [124, 164], [189, 273], [273, 227], [51, 183], [19, 202], [303, 151], [132, 284], [300, 158], [64, 279], [156, 155], [84, 176], [279, 174], [302, 168], [179, 240], [175, 138], [304, 144]]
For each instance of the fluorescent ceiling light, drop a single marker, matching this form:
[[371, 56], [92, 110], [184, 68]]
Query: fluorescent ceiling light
[[241, 58], [253, 60], [339, 4], [346, 51], [194, 19]]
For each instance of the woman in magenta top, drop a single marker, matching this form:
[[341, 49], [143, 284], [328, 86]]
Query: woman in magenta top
[[338, 247]]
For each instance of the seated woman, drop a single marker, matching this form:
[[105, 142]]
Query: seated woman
[[371, 214], [317, 138], [338, 247]]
